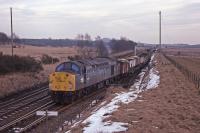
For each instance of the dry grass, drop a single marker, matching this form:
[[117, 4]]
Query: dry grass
[[188, 57], [191, 63], [59, 52], [193, 52], [14, 82]]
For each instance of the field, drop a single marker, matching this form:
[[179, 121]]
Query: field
[[189, 58], [191, 63], [191, 52], [59, 52]]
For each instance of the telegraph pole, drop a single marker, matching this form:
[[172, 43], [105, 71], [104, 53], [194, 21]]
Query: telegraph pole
[[160, 30], [11, 25]]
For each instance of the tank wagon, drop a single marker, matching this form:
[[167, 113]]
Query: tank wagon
[[74, 79]]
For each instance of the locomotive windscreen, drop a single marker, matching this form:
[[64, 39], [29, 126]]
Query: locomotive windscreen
[[68, 66]]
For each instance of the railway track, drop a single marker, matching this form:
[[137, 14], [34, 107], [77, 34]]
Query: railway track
[[22, 97], [36, 120], [21, 105], [6, 127], [15, 113]]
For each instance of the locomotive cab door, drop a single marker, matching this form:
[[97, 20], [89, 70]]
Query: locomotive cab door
[[84, 75], [112, 70]]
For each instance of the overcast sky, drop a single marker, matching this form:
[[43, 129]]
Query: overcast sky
[[135, 19]]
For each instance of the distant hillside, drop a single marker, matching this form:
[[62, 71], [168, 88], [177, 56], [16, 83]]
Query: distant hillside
[[169, 45], [105, 45], [181, 46], [49, 42]]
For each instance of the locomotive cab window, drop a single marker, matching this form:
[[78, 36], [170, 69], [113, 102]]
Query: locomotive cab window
[[68, 66], [75, 68], [60, 68]]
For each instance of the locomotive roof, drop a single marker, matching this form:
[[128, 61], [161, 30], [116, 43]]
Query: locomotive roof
[[122, 60], [132, 57], [95, 61]]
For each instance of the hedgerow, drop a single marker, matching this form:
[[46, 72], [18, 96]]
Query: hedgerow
[[16, 63]]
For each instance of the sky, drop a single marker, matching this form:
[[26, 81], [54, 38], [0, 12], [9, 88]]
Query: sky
[[137, 20]]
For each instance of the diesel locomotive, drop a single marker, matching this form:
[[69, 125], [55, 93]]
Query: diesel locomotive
[[77, 78]]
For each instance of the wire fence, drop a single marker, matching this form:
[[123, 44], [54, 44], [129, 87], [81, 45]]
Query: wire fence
[[195, 78]]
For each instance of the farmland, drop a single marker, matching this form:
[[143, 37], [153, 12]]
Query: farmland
[[24, 50], [191, 63], [189, 58], [191, 52]]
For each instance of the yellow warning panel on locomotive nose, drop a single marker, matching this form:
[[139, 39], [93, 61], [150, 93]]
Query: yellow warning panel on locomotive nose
[[62, 81]]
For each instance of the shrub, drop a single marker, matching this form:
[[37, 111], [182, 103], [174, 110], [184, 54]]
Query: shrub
[[76, 57], [46, 59], [18, 64]]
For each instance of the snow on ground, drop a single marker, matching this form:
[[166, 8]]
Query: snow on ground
[[68, 131], [154, 79], [96, 123]]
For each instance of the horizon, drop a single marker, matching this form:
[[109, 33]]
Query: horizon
[[111, 39], [67, 18], [115, 39]]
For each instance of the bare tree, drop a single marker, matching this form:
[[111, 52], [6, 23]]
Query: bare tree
[[124, 38], [97, 38], [100, 46], [16, 38], [87, 37], [122, 45], [80, 37]]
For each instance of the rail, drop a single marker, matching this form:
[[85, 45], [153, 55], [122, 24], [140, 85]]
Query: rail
[[17, 100], [60, 110], [49, 104]]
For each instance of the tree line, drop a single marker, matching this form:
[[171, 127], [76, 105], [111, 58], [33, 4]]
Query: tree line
[[103, 46], [4, 39]]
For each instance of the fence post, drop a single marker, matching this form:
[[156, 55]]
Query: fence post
[[190, 75], [199, 83]]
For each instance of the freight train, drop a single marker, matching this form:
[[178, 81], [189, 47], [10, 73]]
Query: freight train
[[74, 79]]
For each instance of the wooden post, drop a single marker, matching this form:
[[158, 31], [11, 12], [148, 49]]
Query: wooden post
[[199, 84], [11, 28], [47, 126]]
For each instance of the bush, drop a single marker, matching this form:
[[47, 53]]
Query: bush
[[46, 59], [76, 57], [18, 64]]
